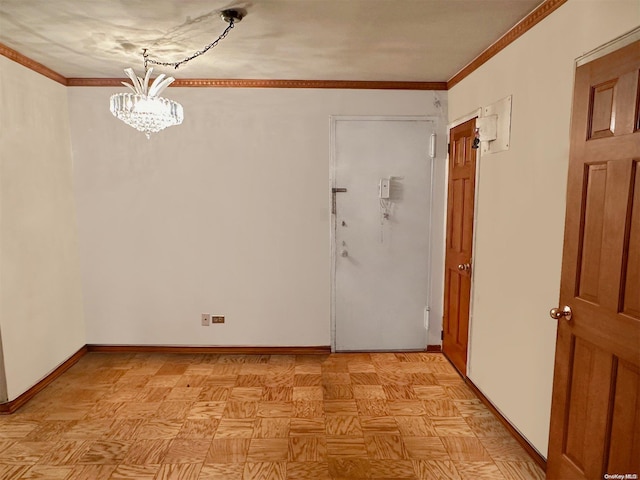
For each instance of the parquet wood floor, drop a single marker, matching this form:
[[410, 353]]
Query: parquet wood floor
[[261, 417]]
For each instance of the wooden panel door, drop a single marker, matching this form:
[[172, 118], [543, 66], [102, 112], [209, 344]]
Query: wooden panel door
[[457, 276], [595, 414]]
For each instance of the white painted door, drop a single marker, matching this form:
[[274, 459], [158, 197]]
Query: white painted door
[[381, 247]]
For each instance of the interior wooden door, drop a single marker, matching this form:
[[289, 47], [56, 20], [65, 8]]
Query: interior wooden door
[[459, 241], [595, 414]]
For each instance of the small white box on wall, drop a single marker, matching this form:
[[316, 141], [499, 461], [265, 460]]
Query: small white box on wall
[[494, 126]]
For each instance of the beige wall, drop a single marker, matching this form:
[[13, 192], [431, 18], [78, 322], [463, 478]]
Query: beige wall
[[41, 316], [226, 214], [521, 203]]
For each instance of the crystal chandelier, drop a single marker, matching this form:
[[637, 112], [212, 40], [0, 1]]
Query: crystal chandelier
[[144, 109]]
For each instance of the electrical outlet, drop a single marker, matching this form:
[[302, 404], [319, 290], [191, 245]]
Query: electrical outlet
[[205, 319], [217, 318]]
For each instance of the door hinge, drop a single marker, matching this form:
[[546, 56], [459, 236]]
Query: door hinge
[[449, 148], [441, 334]]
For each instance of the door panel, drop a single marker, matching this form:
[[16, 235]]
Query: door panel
[[596, 394], [381, 278], [459, 241]]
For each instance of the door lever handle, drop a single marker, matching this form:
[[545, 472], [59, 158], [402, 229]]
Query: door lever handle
[[333, 198]]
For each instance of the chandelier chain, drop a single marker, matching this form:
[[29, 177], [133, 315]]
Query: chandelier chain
[[175, 65]]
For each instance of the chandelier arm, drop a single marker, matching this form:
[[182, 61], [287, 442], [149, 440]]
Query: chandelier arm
[[175, 65]]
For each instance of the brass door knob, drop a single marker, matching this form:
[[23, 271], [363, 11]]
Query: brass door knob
[[558, 313], [464, 267]]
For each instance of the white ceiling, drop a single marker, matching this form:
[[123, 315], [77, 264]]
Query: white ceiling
[[392, 40]]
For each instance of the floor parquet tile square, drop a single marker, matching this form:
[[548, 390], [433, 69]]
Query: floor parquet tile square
[[376, 407], [12, 472], [520, 470], [308, 369], [275, 409], [425, 448], [249, 380], [183, 471], [465, 449], [17, 429], [110, 452], [486, 426], [174, 409], [436, 470], [131, 472], [206, 410], [399, 392], [364, 378], [441, 408], [471, 407], [348, 425], [247, 394], [307, 380], [386, 447], [25, 453], [430, 392], [277, 394], [504, 449], [452, 427], [308, 471], [199, 428], [379, 425], [307, 426], [265, 471], [192, 381], [268, 450], [406, 407], [345, 416], [415, 426], [392, 469], [335, 378], [214, 393], [307, 393], [478, 470], [337, 391], [50, 472], [349, 467], [228, 450], [340, 407], [346, 446], [88, 429], [235, 428], [187, 451], [65, 452], [369, 392], [222, 471], [272, 428], [240, 409], [147, 452], [157, 428], [307, 449], [102, 472], [308, 408]]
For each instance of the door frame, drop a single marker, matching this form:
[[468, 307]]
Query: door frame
[[459, 121], [334, 119]]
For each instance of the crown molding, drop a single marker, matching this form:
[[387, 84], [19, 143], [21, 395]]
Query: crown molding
[[17, 57], [527, 23], [260, 83]]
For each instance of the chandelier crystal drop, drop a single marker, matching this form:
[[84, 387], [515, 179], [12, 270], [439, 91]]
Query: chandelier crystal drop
[[144, 109]]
